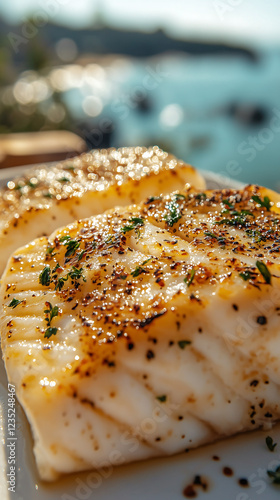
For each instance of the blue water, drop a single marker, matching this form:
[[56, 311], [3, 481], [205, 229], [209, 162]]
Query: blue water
[[206, 134]]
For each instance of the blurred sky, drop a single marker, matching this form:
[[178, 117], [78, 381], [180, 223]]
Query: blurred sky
[[256, 20]]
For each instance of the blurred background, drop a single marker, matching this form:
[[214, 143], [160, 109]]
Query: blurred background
[[200, 79]]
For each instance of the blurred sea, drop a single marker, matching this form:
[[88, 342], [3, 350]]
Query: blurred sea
[[219, 113]]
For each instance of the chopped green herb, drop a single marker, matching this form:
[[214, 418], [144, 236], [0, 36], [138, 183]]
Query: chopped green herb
[[50, 251], [228, 204], [264, 271], [243, 212], [32, 185], [254, 233], [201, 196], [74, 274], [212, 235], [174, 213], [189, 278], [69, 168], [152, 198], [60, 283], [162, 398], [139, 269], [51, 312], [56, 267], [111, 241], [237, 221], [50, 331], [182, 343], [246, 275], [263, 203], [71, 245], [64, 179], [47, 195], [220, 239], [14, 303], [179, 197], [54, 312], [270, 444], [275, 475], [45, 276], [136, 222], [81, 254]]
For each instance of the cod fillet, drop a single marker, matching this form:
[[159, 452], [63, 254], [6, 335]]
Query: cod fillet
[[148, 329], [46, 198]]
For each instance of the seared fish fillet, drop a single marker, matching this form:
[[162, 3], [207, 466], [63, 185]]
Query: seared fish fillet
[[47, 198], [148, 329]]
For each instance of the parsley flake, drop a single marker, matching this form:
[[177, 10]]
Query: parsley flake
[[152, 198], [45, 276], [174, 213], [14, 303], [246, 275], [182, 343], [49, 251], [64, 179], [50, 313], [220, 239], [270, 444], [264, 271], [50, 331], [139, 269], [136, 222], [201, 196], [74, 274], [265, 203], [81, 254], [179, 197], [162, 398], [228, 204], [275, 475], [189, 278], [72, 245]]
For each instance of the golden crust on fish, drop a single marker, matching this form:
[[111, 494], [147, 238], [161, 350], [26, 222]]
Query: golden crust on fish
[[148, 329], [46, 198]]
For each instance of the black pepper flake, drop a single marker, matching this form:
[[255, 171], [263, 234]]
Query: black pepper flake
[[227, 471], [130, 346], [268, 414], [254, 383], [262, 320], [243, 482], [150, 354], [235, 307]]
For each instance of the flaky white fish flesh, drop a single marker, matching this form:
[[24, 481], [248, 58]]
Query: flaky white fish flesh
[[148, 329], [46, 198]]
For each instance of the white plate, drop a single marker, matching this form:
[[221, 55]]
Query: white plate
[[160, 479]]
